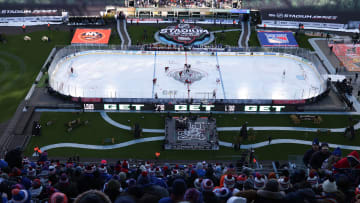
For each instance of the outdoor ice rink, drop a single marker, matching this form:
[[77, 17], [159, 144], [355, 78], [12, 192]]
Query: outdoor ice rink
[[222, 75]]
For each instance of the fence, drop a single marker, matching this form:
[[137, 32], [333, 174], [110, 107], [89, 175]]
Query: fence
[[299, 54]]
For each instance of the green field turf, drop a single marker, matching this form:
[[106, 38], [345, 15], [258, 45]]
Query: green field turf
[[227, 38], [20, 62], [253, 40], [98, 129]]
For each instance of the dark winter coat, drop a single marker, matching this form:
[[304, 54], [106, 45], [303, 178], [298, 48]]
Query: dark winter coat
[[334, 197], [265, 196], [307, 156], [299, 196], [318, 158], [70, 189]]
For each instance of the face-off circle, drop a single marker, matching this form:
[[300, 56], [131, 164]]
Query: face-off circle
[[187, 76]]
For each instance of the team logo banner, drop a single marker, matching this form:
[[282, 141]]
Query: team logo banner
[[277, 38], [91, 36], [184, 34]]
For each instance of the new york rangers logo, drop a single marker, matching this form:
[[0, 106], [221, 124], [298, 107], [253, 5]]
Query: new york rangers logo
[[277, 38]]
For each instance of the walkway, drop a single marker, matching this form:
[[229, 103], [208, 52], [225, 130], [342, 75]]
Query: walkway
[[221, 143], [122, 31], [222, 129], [245, 34], [160, 138]]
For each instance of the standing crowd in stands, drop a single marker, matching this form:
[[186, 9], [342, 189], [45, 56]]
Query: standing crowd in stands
[[328, 178]]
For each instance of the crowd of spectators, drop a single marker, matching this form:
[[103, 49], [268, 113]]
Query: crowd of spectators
[[330, 178], [185, 3]]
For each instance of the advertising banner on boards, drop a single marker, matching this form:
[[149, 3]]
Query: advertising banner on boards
[[91, 36]]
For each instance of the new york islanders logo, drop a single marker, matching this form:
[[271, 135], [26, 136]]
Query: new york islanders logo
[[277, 38], [91, 36]]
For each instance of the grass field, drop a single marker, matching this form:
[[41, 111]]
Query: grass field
[[254, 41], [20, 62], [227, 38], [93, 134]]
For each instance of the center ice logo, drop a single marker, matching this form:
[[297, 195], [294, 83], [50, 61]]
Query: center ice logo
[[91, 36], [184, 33], [187, 76], [277, 38]]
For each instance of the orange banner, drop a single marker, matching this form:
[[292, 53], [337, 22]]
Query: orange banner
[[91, 36]]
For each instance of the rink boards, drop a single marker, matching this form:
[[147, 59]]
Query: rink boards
[[228, 77]]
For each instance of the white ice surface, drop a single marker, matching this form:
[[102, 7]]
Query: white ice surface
[[125, 74]]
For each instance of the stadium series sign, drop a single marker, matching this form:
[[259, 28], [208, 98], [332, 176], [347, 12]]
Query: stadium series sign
[[185, 34]]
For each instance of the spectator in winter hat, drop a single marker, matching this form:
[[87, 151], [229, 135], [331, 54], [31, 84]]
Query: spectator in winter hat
[[229, 181], [259, 182], [207, 185], [36, 188], [93, 196], [65, 186], [284, 183], [177, 192], [313, 179], [240, 180], [328, 164], [272, 175], [20, 196], [350, 161], [143, 178], [130, 182], [235, 199], [158, 172], [223, 194], [270, 193], [192, 195], [112, 189], [310, 152], [330, 191], [319, 157], [122, 176], [197, 183], [58, 197]]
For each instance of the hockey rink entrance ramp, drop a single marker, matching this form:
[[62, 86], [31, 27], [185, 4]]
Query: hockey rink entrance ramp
[[207, 75]]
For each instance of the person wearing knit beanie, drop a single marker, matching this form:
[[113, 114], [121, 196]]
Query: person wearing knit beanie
[[235, 199], [36, 188], [223, 194], [197, 183], [192, 195], [329, 186], [20, 196], [270, 193], [229, 181], [207, 185], [58, 197], [284, 183], [272, 175], [92, 196], [313, 179], [259, 182]]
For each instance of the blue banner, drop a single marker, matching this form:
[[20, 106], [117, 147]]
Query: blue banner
[[277, 39]]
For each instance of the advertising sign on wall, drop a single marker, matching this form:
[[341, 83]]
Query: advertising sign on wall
[[91, 36], [185, 34], [277, 39]]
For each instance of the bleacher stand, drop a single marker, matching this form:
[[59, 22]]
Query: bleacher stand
[[23, 180]]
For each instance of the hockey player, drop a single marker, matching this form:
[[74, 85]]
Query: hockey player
[[72, 70], [166, 68], [154, 81], [284, 73], [180, 73], [214, 94]]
